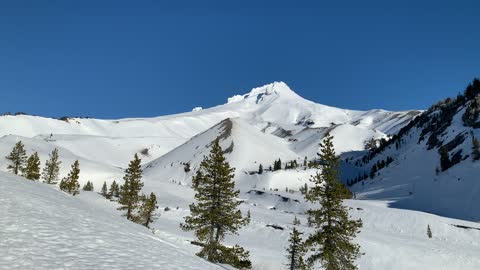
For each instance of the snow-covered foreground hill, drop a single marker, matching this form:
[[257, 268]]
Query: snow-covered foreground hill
[[43, 228]]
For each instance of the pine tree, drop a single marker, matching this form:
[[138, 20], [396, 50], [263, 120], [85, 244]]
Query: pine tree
[[444, 159], [88, 186], [304, 189], [114, 189], [429, 231], [475, 149], [331, 243], [62, 185], [104, 190], [215, 213], [277, 165], [129, 193], [260, 169], [17, 158], [51, 170], [147, 209], [296, 249], [70, 183], [32, 170]]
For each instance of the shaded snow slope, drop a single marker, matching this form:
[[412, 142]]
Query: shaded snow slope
[[43, 228], [415, 179]]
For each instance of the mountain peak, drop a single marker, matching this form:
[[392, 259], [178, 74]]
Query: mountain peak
[[271, 90]]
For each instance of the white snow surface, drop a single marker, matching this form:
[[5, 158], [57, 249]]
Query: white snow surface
[[412, 180], [271, 108], [43, 228], [47, 229]]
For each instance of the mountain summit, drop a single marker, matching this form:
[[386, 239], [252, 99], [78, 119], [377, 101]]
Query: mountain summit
[[267, 92]]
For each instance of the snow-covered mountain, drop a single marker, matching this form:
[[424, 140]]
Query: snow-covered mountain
[[273, 109], [416, 179], [268, 123], [272, 117]]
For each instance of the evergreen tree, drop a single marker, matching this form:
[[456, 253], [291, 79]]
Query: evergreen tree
[[32, 170], [476, 149], [260, 169], [147, 209], [62, 185], [444, 159], [129, 193], [296, 249], [373, 171], [104, 190], [197, 179], [331, 243], [277, 165], [304, 189], [70, 183], [17, 158], [51, 170], [88, 186], [114, 190], [215, 213], [429, 231]]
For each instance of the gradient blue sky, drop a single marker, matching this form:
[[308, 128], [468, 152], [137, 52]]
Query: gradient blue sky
[[113, 59]]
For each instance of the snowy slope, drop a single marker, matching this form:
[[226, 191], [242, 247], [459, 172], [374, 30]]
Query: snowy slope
[[246, 148], [43, 228], [392, 239], [90, 170], [273, 109], [415, 180]]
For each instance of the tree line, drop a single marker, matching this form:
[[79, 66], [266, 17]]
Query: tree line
[[139, 208]]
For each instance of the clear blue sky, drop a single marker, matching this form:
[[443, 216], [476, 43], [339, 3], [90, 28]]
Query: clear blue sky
[[113, 59]]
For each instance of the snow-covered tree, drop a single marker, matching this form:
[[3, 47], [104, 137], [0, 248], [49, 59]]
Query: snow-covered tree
[[17, 158]]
